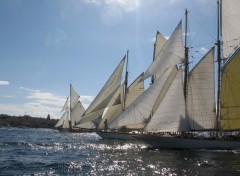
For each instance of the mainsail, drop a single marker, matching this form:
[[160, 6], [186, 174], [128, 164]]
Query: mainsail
[[101, 101], [201, 94], [230, 94], [170, 114], [171, 54], [230, 26]]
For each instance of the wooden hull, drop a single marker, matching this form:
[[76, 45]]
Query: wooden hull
[[162, 142]]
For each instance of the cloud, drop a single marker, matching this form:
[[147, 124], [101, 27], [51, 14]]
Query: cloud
[[96, 2], [27, 89], [4, 83], [153, 40], [112, 10], [111, 16], [29, 109], [125, 5], [175, 1], [42, 103], [8, 96], [86, 100], [39, 103]]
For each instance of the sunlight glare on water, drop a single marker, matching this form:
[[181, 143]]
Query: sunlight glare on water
[[26, 151]]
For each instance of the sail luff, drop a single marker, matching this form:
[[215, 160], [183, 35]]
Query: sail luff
[[125, 83]]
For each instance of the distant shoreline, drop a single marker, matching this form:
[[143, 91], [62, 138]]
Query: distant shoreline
[[26, 121]]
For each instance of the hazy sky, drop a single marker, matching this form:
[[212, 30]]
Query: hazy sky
[[45, 44]]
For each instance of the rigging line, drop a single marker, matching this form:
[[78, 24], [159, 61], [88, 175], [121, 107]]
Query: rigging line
[[202, 25]]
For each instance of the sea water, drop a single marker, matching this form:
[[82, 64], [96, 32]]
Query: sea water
[[29, 151]]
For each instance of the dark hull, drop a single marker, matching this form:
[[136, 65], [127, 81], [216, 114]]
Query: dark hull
[[115, 135], [76, 130], [157, 141]]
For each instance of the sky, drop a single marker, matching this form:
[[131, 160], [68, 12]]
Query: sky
[[46, 45]]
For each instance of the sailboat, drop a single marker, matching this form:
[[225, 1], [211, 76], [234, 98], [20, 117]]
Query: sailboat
[[73, 110], [177, 114], [211, 126]]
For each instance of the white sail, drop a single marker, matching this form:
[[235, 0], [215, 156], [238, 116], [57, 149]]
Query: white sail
[[104, 96], [139, 111], [134, 90], [73, 97], [66, 120], [60, 121], [201, 95], [170, 114], [76, 113], [91, 116], [115, 107], [65, 107], [87, 125], [230, 26], [171, 54], [158, 46]]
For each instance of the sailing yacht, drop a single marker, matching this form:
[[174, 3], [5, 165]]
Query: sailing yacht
[[73, 110], [184, 114], [211, 126]]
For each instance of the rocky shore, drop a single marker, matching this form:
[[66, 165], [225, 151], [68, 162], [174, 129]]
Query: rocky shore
[[26, 121]]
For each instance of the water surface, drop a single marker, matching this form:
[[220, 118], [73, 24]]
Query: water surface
[[29, 151]]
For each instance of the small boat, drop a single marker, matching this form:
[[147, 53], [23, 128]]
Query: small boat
[[73, 110]]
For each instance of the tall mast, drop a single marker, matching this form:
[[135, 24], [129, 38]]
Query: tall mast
[[218, 59], [153, 76], [125, 83], [70, 108], [186, 56]]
